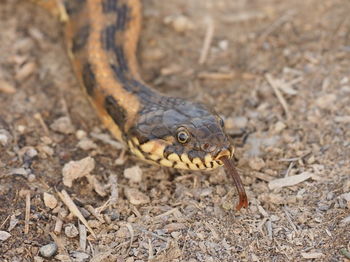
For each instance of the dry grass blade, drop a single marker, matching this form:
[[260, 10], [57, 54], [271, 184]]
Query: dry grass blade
[[207, 41], [27, 214], [279, 95], [74, 209], [289, 181]]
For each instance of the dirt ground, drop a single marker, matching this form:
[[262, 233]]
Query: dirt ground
[[277, 71]]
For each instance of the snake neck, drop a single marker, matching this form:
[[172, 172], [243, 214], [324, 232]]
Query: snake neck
[[102, 38]]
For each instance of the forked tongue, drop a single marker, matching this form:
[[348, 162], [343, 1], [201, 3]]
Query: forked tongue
[[231, 170]]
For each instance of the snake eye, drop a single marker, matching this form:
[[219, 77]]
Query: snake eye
[[183, 136]]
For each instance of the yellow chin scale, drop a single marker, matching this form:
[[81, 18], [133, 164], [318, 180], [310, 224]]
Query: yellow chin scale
[[153, 151]]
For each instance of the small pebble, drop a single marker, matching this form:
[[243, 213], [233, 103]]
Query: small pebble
[[31, 178], [76, 169], [326, 101], [179, 23], [4, 236], [80, 134], [134, 174], [94, 223], [21, 129], [170, 70], [3, 139], [47, 150], [25, 71], [330, 196], [38, 259], [174, 227], [50, 201], [256, 163], [239, 122], [63, 125], [176, 234], [136, 197], [80, 256], [46, 140], [71, 231], [153, 54], [123, 232], [31, 152], [278, 127], [87, 144], [223, 45], [6, 87], [48, 250]]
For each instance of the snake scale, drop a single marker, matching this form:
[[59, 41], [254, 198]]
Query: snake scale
[[102, 38]]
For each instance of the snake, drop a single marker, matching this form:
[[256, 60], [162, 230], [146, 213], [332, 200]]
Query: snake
[[101, 38]]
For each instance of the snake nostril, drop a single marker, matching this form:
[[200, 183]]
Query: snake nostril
[[205, 146], [208, 147]]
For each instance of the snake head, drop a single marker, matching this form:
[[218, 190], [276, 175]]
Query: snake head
[[180, 134], [185, 135]]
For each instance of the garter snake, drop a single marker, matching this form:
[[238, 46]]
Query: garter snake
[[102, 37]]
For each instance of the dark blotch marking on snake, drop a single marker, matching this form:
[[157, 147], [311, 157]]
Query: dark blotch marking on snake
[[74, 6], [89, 79], [116, 112], [122, 17], [108, 37], [119, 53], [109, 6], [122, 11], [80, 38]]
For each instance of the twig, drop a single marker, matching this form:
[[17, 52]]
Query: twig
[[279, 95], [207, 41], [131, 230], [74, 209], [58, 226], [216, 75], [280, 21], [150, 250], [27, 214], [82, 237], [167, 213], [290, 220], [41, 121]]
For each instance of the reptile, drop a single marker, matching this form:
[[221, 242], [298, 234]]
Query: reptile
[[101, 38]]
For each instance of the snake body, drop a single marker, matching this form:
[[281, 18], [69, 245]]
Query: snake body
[[102, 37]]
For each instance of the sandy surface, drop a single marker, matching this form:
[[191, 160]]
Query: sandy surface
[[277, 71]]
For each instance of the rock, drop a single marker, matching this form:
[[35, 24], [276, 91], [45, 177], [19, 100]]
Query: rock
[[25, 71], [48, 250], [179, 23], [80, 256], [4, 236], [71, 231], [326, 101], [256, 163], [80, 134], [76, 169], [5, 137], [278, 127], [49, 200], [134, 174], [63, 125], [6, 87], [236, 123], [87, 144], [136, 197]]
